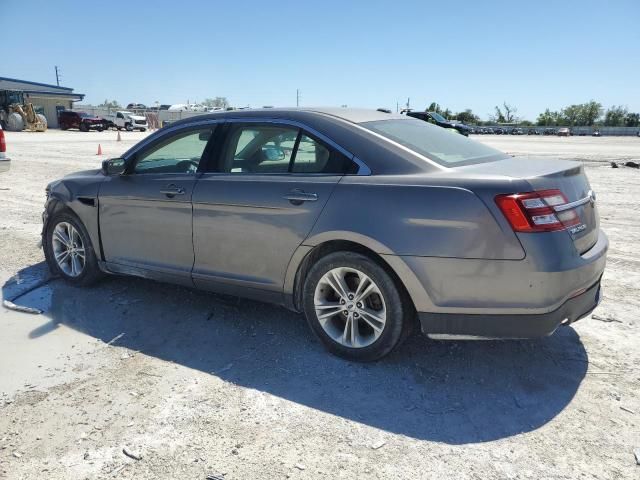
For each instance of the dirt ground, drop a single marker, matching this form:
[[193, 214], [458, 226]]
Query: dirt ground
[[194, 384]]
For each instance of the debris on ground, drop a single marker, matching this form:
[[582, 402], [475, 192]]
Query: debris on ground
[[628, 410], [632, 164], [131, 453], [300, 466], [379, 444], [614, 165], [636, 452], [20, 308], [607, 319]]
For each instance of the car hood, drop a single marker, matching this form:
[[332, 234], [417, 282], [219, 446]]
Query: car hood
[[137, 117]]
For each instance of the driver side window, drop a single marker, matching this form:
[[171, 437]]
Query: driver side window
[[180, 153]]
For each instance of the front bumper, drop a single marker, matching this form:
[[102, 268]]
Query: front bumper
[[469, 326]]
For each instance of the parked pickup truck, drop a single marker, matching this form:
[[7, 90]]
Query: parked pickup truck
[[127, 120]]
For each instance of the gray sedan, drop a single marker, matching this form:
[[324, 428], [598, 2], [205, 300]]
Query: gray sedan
[[368, 222]]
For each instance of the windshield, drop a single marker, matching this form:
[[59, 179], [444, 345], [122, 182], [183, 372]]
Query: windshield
[[443, 145], [438, 117], [85, 115]]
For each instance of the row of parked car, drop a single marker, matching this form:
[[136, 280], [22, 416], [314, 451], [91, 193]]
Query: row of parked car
[[560, 132], [83, 121]]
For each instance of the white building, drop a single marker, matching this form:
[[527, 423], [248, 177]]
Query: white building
[[50, 98]]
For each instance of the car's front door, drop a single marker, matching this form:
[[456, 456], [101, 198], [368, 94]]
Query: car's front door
[[250, 215], [145, 213]]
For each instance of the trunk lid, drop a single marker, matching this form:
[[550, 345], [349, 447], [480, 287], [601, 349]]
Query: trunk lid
[[545, 174]]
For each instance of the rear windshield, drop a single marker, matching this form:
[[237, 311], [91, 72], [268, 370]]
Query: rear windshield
[[443, 145]]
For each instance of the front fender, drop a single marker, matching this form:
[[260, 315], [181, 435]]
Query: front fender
[[79, 194]]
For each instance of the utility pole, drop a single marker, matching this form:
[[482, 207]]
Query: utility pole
[[297, 97], [57, 76]]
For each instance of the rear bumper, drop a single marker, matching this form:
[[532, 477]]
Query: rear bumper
[[5, 163], [470, 326]]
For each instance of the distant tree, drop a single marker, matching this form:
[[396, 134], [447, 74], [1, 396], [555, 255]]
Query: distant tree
[[510, 113], [591, 112], [571, 114], [548, 118], [434, 107], [615, 116], [110, 104], [467, 116], [506, 114], [446, 113], [216, 102], [632, 120]]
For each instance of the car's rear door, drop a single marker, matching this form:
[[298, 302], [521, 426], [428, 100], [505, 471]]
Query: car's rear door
[[251, 213], [145, 213]]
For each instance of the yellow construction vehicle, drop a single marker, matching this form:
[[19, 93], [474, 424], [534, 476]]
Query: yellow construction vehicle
[[16, 115]]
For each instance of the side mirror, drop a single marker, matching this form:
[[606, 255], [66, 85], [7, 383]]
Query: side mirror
[[113, 166]]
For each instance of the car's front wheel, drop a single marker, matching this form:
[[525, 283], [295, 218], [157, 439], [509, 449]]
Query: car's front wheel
[[354, 306], [68, 250]]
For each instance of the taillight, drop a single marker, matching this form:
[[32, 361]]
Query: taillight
[[535, 212], [3, 143]]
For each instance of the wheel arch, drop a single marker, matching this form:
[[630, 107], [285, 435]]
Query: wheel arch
[[306, 256], [83, 208]]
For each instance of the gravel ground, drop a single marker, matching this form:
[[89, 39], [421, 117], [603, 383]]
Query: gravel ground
[[195, 384]]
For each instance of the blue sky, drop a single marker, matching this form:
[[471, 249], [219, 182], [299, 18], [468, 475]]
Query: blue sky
[[461, 54]]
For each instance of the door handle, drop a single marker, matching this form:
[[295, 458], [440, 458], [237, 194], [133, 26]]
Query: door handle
[[298, 196], [172, 190]]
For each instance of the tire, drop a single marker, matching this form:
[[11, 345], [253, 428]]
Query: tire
[[89, 272], [143, 129], [83, 127], [128, 127], [43, 120], [385, 300], [15, 122], [99, 129], [118, 128]]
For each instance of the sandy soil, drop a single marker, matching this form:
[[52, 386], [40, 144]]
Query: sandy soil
[[195, 384]]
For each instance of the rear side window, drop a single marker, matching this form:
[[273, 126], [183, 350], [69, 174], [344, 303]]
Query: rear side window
[[268, 149], [443, 145]]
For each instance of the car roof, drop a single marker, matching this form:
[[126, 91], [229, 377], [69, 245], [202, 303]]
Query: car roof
[[352, 115]]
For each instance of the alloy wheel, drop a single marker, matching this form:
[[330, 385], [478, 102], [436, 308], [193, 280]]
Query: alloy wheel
[[68, 249], [350, 307]]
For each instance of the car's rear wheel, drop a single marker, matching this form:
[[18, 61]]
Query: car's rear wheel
[[69, 252], [354, 306]]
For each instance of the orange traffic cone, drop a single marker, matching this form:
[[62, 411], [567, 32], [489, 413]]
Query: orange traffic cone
[[118, 139], [99, 150]]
